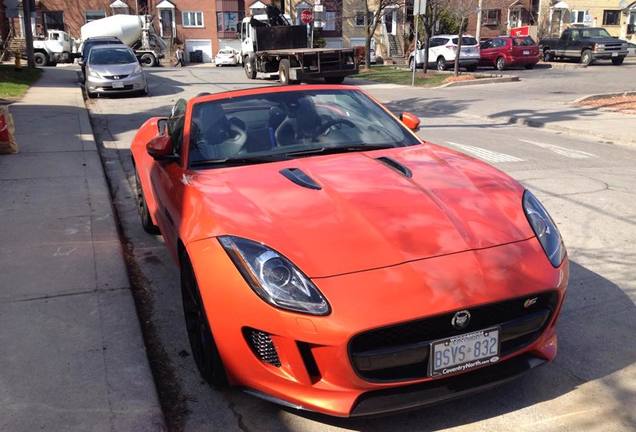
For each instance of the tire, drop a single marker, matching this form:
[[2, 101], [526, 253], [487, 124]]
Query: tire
[[529, 66], [204, 350], [40, 59], [283, 72], [587, 57], [618, 61], [148, 60], [249, 67], [441, 63], [142, 208], [91, 95], [500, 64], [547, 55], [334, 80]]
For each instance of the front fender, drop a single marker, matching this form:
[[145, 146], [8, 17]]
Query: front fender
[[143, 162]]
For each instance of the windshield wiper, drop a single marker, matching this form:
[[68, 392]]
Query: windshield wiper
[[239, 161], [345, 149]]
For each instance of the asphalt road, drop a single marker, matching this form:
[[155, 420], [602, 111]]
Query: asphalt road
[[587, 184]]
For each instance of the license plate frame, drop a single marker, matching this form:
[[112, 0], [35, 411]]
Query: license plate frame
[[464, 366], [118, 85]]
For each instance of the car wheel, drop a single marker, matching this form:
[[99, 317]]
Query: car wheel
[[500, 64], [142, 207], [548, 56], [204, 350], [441, 64], [148, 60], [529, 66], [618, 61], [249, 67], [40, 59], [587, 58]]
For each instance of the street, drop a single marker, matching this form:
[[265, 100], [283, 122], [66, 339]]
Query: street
[[586, 182]]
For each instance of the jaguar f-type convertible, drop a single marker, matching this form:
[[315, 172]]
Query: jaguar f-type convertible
[[333, 261]]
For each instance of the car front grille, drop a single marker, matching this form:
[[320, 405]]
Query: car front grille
[[400, 352], [126, 87], [115, 77], [613, 47]]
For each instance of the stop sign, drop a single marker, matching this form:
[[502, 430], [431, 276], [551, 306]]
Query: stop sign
[[306, 16]]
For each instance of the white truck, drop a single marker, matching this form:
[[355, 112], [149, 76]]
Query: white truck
[[136, 31], [270, 46], [55, 47]]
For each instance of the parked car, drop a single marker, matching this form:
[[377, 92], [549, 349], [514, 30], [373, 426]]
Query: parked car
[[114, 69], [504, 51], [227, 56], [585, 44], [631, 49], [442, 50], [332, 261], [89, 43]]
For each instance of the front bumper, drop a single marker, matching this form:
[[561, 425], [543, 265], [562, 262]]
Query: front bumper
[[608, 55], [314, 369], [131, 83]]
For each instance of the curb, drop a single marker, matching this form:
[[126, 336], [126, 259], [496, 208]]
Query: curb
[[479, 81], [603, 96]]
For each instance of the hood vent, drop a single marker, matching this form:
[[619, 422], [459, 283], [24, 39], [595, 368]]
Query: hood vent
[[395, 165], [300, 178]]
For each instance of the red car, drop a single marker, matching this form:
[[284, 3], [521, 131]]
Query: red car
[[333, 261], [504, 51]]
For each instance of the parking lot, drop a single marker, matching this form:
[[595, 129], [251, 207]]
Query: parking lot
[[587, 183]]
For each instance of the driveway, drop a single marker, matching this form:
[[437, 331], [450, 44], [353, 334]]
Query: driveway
[[587, 184]]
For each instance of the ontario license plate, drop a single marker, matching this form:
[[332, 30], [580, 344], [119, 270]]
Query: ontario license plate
[[117, 84], [526, 52], [464, 352]]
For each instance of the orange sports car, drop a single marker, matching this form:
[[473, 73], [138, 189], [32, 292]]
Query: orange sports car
[[333, 261]]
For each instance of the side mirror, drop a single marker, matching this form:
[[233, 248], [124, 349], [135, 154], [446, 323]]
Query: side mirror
[[160, 148], [410, 120], [81, 62]]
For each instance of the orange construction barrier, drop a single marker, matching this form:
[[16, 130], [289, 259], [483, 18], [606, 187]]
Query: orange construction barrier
[[7, 130]]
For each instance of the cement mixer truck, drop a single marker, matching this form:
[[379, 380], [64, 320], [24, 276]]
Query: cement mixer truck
[[136, 31]]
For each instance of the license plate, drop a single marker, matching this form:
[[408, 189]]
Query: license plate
[[526, 52], [117, 84], [614, 54], [464, 352]]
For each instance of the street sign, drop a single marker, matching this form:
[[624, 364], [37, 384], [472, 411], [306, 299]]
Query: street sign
[[419, 7], [306, 16], [319, 8]]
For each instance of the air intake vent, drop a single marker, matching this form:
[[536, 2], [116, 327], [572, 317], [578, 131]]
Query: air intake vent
[[395, 165], [262, 346], [300, 178]]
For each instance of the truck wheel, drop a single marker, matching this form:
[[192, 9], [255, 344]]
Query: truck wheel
[[283, 73], [441, 64], [500, 64], [586, 57], [250, 69], [618, 61], [148, 60], [547, 55], [40, 59], [334, 80]]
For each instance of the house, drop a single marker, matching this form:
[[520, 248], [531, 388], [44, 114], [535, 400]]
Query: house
[[499, 16]]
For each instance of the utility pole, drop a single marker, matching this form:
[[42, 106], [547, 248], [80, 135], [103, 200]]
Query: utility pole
[[478, 30], [28, 31]]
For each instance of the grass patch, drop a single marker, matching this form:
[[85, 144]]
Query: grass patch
[[14, 83], [389, 74]]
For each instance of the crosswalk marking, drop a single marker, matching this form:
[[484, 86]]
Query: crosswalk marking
[[487, 155], [569, 153]]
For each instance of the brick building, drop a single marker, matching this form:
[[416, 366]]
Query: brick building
[[499, 16]]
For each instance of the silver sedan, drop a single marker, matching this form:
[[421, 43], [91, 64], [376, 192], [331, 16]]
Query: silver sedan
[[114, 69]]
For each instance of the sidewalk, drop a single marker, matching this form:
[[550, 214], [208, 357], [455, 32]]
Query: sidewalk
[[72, 355]]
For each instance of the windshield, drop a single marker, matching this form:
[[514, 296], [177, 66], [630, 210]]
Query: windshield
[[111, 56], [289, 124], [525, 41], [595, 33], [466, 40], [224, 51]]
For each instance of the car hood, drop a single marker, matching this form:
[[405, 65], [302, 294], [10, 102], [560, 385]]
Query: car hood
[[120, 69], [366, 214]]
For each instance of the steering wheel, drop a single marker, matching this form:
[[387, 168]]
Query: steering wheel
[[240, 136], [331, 123]]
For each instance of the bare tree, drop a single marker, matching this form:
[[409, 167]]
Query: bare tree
[[460, 10], [374, 10], [433, 7]]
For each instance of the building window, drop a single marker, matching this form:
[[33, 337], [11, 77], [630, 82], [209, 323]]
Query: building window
[[611, 17], [192, 19], [330, 21], [577, 17], [228, 21], [92, 15], [490, 17], [359, 20], [53, 20]]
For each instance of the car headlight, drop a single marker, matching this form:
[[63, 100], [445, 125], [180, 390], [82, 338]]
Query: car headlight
[[544, 228], [93, 74], [138, 70], [599, 46], [274, 278]]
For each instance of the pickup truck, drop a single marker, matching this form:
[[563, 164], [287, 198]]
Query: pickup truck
[[270, 46], [586, 44]]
